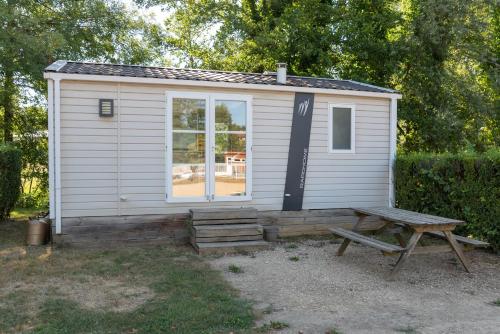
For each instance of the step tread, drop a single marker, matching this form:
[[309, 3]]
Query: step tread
[[227, 227], [255, 237], [215, 210], [225, 221], [231, 244]]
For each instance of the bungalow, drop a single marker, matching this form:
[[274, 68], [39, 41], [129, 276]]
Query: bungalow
[[137, 146]]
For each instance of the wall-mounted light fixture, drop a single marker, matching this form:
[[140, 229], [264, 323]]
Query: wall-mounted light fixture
[[105, 107]]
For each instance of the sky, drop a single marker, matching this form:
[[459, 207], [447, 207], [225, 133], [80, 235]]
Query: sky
[[158, 14], [154, 13]]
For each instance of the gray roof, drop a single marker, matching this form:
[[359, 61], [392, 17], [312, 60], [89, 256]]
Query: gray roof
[[71, 67]]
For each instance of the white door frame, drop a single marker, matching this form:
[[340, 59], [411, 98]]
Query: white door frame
[[169, 146], [209, 146], [248, 146]]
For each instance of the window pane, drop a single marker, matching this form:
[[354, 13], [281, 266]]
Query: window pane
[[230, 115], [188, 114], [341, 128], [230, 164], [188, 164]]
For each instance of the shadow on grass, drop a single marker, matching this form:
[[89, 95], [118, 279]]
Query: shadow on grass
[[185, 294]]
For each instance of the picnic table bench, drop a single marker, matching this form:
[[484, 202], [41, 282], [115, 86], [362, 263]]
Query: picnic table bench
[[418, 223]]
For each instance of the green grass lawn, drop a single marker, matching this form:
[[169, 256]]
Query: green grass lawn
[[161, 289], [25, 213]]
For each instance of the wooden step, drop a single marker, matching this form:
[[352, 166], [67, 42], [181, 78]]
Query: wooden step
[[362, 239], [222, 214], [210, 231], [225, 221], [230, 238], [463, 240], [230, 247]]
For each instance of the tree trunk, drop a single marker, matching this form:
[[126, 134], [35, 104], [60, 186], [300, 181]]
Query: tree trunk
[[8, 106]]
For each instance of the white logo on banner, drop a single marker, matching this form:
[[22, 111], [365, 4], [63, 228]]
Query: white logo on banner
[[303, 106]]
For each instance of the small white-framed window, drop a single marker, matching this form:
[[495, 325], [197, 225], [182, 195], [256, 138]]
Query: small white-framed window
[[341, 128]]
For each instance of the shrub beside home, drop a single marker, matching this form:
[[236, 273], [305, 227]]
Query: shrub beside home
[[463, 186], [10, 178]]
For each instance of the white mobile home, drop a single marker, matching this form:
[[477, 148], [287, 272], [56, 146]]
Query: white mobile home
[[131, 144]]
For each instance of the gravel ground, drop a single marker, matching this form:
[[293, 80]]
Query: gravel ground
[[351, 294]]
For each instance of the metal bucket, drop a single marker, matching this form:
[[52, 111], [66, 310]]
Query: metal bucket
[[271, 233], [38, 233]]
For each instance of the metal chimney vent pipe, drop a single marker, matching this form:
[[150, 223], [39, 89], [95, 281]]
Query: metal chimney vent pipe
[[281, 73]]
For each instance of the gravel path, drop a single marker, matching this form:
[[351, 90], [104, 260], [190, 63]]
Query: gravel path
[[321, 292]]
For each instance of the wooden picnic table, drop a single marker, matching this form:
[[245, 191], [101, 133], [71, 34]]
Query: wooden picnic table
[[418, 223]]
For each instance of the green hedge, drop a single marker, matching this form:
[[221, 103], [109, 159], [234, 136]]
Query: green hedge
[[461, 186], [10, 178]]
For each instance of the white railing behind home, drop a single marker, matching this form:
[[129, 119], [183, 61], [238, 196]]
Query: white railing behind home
[[186, 171], [235, 170]]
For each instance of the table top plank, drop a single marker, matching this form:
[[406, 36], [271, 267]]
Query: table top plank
[[421, 217], [425, 216], [409, 214], [407, 217]]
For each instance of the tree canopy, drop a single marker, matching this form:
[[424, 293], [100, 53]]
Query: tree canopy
[[442, 55], [35, 33]]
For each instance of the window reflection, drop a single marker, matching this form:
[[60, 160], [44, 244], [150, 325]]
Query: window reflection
[[188, 114], [230, 115], [188, 148], [230, 148]]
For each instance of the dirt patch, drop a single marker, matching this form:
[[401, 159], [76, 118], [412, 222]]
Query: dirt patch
[[112, 295], [13, 253], [319, 291], [90, 292]]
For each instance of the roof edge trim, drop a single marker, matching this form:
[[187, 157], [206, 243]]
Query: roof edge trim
[[56, 66], [199, 83], [373, 86]]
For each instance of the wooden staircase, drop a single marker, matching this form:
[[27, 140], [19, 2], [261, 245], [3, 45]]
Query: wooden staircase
[[220, 231]]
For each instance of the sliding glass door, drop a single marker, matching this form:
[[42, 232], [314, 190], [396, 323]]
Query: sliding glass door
[[208, 147]]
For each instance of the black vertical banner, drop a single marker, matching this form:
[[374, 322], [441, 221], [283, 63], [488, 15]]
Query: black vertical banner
[[298, 152]]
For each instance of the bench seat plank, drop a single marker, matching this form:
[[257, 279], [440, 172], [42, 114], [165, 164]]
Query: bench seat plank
[[463, 240], [362, 239]]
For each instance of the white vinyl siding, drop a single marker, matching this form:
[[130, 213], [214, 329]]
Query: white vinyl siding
[[346, 180], [104, 159]]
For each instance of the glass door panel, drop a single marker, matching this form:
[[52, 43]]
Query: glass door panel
[[230, 164], [230, 148], [230, 115], [188, 114], [189, 163]]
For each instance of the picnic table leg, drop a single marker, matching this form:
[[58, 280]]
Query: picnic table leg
[[400, 239], [456, 247], [346, 241], [406, 254], [397, 235]]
